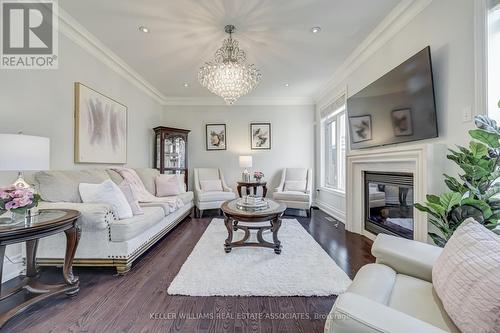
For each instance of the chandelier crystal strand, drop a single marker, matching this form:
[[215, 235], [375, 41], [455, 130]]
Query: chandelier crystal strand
[[228, 76]]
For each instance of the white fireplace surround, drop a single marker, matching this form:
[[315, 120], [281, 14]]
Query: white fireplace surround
[[425, 161]]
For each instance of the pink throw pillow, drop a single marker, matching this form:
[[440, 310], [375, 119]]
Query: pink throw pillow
[[466, 277], [167, 185]]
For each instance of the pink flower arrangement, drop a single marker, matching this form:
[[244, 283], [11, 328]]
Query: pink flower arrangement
[[17, 199], [258, 175]]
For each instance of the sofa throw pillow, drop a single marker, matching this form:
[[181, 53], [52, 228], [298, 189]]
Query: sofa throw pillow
[[140, 191], [167, 185], [131, 198], [214, 185], [295, 185], [106, 192], [466, 278]]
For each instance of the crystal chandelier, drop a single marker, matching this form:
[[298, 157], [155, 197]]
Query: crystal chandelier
[[228, 76]]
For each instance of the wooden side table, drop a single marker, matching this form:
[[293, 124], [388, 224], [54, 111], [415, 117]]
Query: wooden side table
[[48, 222], [254, 185]]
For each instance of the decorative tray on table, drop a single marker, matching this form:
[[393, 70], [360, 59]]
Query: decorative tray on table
[[252, 203]]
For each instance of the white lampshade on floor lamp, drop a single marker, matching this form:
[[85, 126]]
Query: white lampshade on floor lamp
[[245, 162], [19, 152]]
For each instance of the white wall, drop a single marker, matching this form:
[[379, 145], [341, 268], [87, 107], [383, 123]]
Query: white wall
[[292, 138], [41, 102], [448, 27]]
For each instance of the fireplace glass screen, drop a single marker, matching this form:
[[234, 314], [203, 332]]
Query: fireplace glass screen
[[389, 203]]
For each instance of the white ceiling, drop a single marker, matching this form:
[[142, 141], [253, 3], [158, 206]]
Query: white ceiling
[[275, 34]]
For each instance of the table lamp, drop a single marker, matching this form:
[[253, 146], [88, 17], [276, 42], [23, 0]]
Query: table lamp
[[245, 162], [20, 152]]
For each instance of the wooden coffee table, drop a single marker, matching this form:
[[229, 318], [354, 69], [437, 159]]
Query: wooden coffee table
[[48, 222], [233, 215]]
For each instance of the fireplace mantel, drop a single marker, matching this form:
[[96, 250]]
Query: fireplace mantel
[[427, 163]]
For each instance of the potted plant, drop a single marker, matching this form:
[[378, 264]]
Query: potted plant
[[17, 200]]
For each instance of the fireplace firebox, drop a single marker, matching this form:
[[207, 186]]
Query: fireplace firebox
[[389, 203]]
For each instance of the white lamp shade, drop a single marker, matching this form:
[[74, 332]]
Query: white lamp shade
[[245, 161], [20, 152]]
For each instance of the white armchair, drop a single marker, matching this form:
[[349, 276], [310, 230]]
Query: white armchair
[[295, 189], [394, 295], [210, 189]]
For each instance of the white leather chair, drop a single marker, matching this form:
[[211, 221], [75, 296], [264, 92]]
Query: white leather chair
[[210, 199], [393, 295], [294, 189]]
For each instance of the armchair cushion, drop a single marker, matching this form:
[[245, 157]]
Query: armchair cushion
[[295, 185], [467, 278], [212, 185], [354, 313], [291, 196], [406, 256], [215, 196]]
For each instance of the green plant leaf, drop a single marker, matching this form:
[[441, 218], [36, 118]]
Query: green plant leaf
[[486, 123], [437, 208], [474, 171], [478, 204], [478, 149], [438, 240], [450, 199], [493, 190], [489, 138], [433, 198]]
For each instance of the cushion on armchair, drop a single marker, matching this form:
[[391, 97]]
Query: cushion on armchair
[[214, 185], [466, 277], [295, 185]]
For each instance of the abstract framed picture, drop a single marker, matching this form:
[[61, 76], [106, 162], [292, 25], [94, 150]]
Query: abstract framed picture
[[401, 122], [361, 128], [260, 136], [100, 127], [216, 137]]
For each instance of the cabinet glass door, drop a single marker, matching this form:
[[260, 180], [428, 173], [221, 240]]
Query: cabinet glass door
[[175, 148]]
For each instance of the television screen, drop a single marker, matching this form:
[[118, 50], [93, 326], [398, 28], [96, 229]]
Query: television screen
[[398, 107]]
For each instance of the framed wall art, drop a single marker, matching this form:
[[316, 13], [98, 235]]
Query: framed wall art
[[260, 136], [100, 127], [216, 137]]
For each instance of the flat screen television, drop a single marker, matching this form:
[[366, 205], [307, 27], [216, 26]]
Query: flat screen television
[[398, 107]]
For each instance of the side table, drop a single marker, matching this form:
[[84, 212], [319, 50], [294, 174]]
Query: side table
[[48, 222], [253, 185]]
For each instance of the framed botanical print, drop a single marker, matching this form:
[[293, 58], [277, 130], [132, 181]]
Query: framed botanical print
[[216, 137], [100, 127], [260, 136], [361, 128]]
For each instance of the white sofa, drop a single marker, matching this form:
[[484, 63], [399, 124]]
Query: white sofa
[[295, 189], [105, 240], [393, 295], [210, 199]]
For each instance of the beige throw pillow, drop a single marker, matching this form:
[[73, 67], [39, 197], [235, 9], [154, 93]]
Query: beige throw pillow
[[466, 277]]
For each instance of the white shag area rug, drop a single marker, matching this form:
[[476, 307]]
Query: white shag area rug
[[302, 269]]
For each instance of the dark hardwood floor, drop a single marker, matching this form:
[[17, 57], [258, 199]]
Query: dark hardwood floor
[[138, 302]]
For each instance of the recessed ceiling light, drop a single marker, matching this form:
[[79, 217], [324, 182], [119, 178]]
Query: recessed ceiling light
[[287, 85], [186, 85], [144, 29], [315, 30]]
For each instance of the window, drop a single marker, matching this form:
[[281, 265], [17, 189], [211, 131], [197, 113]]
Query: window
[[494, 59], [333, 125]]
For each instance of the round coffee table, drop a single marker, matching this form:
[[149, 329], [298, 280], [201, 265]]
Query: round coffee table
[[233, 215]]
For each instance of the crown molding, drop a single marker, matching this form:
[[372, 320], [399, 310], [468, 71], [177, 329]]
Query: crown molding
[[244, 101], [393, 23], [77, 33]]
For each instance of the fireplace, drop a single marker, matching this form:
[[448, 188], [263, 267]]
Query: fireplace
[[389, 199]]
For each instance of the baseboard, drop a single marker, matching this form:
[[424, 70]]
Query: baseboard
[[12, 269], [333, 211]]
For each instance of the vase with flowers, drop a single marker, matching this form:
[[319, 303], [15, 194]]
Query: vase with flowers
[[18, 201], [258, 175]]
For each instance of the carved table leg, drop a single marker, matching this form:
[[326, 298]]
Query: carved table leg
[[31, 247], [238, 188], [264, 191], [276, 223], [72, 239], [2, 254], [229, 239]]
